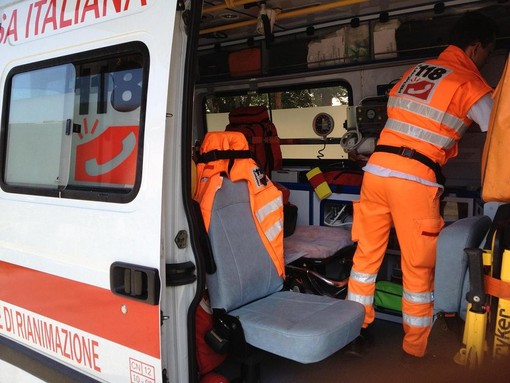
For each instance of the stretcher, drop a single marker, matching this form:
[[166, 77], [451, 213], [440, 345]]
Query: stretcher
[[318, 260], [487, 327]]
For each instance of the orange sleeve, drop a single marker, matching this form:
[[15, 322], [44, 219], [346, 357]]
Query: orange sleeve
[[468, 94]]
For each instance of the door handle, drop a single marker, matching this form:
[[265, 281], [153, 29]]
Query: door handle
[[136, 282]]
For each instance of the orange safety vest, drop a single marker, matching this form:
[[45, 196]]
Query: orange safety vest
[[265, 199], [427, 111]]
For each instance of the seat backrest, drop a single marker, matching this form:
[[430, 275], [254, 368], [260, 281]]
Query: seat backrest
[[501, 219], [243, 215], [451, 277], [245, 271], [224, 155]]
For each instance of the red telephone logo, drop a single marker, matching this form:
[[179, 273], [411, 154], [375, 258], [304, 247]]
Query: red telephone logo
[[109, 158], [420, 89]]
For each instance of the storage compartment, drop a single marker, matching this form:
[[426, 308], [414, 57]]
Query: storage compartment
[[385, 44], [245, 62], [357, 44], [213, 65], [286, 55], [424, 37], [328, 50]]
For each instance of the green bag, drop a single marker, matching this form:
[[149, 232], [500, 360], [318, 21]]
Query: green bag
[[388, 295]]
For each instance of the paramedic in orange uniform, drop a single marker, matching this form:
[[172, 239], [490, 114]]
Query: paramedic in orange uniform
[[429, 109]]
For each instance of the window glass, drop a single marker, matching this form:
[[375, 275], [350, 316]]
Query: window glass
[[293, 112], [107, 111], [75, 128], [40, 107]]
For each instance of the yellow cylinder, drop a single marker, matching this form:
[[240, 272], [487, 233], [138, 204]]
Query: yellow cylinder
[[319, 184]]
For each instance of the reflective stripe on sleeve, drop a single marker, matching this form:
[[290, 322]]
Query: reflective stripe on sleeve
[[416, 321], [268, 208], [363, 299], [439, 140], [417, 297], [363, 277], [274, 230]]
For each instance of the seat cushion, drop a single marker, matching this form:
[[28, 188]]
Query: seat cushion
[[316, 242], [303, 327]]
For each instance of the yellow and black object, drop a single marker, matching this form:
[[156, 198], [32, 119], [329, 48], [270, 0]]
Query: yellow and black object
[[487, 327], [472, 355]]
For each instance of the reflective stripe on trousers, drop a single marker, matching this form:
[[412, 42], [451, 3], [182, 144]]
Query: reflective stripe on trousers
[[362, 278], [413, 209]]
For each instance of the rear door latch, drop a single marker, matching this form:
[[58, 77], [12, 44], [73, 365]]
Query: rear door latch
[[137, 282]]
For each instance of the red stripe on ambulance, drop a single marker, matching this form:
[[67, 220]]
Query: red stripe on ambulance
[[84, 307]]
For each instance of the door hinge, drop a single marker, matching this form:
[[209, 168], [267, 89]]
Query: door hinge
[[178, 274]]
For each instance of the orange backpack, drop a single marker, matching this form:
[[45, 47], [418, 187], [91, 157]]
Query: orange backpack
[[261, 134]]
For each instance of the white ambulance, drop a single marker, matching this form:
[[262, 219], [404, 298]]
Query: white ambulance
[[101, 104]]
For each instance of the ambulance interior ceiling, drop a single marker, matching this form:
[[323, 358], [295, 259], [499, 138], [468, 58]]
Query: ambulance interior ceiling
[[228, 21]]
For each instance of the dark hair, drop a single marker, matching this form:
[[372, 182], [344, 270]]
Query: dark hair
[[471, 28]]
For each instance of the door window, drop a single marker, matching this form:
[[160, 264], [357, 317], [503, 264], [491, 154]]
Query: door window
[[74, 130]]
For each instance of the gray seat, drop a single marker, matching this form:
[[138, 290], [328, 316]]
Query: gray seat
[[451, 276], [302, 327]]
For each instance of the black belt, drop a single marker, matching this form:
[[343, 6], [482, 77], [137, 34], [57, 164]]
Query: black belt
[[411, 153]]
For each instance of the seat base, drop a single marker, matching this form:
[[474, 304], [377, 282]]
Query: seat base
[[300, 326]]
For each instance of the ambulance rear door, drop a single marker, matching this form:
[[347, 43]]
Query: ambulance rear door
[[83, 101]]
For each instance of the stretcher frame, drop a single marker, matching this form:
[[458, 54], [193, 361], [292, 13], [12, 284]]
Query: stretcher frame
[[487, 327]]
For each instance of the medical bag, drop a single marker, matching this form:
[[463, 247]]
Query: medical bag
[[388, 296], [261, 134]]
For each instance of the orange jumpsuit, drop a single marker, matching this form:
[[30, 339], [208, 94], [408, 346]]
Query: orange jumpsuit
[[427, 113]]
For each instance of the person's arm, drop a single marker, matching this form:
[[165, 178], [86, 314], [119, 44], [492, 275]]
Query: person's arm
[[480, 112]]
